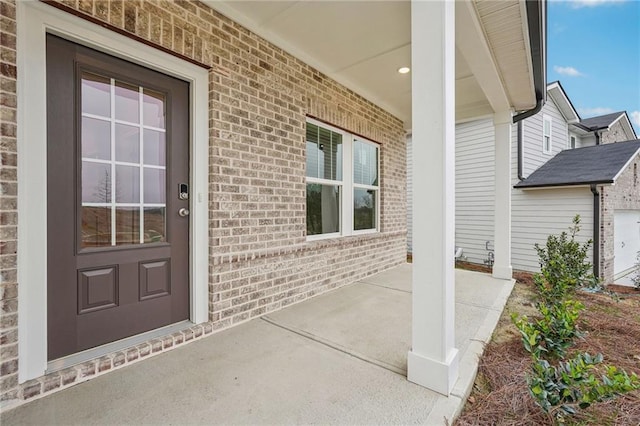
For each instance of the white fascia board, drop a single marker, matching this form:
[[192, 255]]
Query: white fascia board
[[630, 132], [627, 164], [535, 188], [562, 101]]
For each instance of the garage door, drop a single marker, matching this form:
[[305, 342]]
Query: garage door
[[626, 241]]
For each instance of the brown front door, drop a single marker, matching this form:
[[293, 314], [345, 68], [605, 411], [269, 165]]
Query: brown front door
[[117, 198]]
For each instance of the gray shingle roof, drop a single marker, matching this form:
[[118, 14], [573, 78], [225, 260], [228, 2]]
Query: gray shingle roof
[[600, 122], [583, 166]]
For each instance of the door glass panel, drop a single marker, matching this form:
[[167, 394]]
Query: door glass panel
[[96, 226], [154, 220], [127, 102], [153, 109], [123, 142], [127, 184], [96, 182], [96, 139], [96, 95], [154, 186], [127, 225], [127, 143], [154, 148]]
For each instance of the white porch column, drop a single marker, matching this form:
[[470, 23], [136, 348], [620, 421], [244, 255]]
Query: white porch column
[[502, 122], [433, 360]]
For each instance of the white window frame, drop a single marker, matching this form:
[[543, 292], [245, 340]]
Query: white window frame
[[361, 186], [347, 185], [545, 119], [575, 138]]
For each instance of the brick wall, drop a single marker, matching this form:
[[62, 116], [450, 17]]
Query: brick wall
[[618, 196], [259, 97], [615, 134], [8, 204], [625, 194]]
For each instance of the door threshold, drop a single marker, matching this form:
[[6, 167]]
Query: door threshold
[[97, 352]]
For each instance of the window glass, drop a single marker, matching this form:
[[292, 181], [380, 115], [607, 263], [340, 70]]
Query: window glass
[[96, 95], [364, 209], [153, 107], [123, 163], [96, 139], [312, 150], [324, 153], [323, 209], [127, 143], [365, 163], [127, 98], [546, 135], [342, 197]]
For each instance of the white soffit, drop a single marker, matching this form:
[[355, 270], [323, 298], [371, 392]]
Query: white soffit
[[362, 54], [563, 103], [505, 26], [361, 44]]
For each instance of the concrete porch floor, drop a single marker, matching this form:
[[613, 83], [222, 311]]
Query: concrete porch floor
[[338, 358]]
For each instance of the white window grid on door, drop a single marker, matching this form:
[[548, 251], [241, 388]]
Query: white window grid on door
[[113, 163]]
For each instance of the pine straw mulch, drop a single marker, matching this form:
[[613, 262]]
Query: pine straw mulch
[[500, 395]]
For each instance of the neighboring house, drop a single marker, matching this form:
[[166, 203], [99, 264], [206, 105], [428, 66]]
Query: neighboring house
[[549, 138], [606, 175], [172, 169]]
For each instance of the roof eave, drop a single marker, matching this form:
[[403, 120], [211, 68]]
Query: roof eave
[[537, 28], [563, 184]]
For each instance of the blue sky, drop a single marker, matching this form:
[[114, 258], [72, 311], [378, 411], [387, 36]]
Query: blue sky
[[593, 48]]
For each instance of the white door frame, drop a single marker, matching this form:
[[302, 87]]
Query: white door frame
[[35, 20]]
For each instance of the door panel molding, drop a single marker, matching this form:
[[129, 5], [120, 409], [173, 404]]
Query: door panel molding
[[34, 20]]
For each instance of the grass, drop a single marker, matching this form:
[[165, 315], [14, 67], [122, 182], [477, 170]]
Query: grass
[[500, 395]]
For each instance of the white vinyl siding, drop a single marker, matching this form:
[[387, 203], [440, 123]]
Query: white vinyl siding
[[475, 181], [536, 214], [587, 140], [532, 154]]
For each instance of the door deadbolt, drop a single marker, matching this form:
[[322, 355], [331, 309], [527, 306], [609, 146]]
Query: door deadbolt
[[183, 191]]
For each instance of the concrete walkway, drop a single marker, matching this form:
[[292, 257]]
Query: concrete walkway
[[339, 358]]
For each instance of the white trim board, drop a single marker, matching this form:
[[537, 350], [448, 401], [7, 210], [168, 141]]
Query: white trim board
[[35, 20]]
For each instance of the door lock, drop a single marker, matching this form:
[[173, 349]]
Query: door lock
[[183, 191], [183, 212]]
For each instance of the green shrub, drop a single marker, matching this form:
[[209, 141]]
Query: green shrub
[[560, 386], [572, 384], [563, 265], [554, 332]]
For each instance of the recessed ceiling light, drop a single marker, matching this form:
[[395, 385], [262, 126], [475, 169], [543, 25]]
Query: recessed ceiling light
[[404, 70]]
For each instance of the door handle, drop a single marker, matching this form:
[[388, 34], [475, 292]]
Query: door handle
[[183, 212]]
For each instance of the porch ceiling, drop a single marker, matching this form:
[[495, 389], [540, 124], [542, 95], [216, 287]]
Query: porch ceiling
[[361, 44]]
